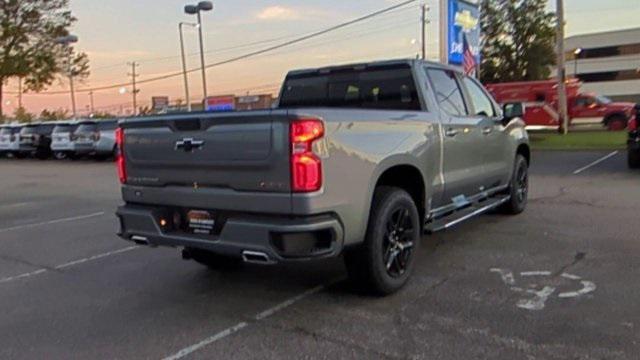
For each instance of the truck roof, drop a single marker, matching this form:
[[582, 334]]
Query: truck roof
[[372, 64]]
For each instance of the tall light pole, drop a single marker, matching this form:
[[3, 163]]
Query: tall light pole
[[134, 75], [576, 53], [184, 63], [66, 41], [197, 10], [425, 10], [562, 70]]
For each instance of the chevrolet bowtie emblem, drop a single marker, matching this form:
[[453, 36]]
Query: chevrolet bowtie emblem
[[189, 144]]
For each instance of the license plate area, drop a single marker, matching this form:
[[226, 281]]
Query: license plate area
[[200, 222]]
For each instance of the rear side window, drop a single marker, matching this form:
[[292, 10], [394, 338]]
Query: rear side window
[[448, 93], [388, 88], [9, 131], [482, 104], [29, 130], [45, 129], [63, 129], [107, 125], [87, 128]]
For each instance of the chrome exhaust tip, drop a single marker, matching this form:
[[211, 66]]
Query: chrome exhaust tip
[[140, 240], [256, 257]]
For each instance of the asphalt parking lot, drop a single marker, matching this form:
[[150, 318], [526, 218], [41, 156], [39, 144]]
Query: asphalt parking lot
[[558, 282]]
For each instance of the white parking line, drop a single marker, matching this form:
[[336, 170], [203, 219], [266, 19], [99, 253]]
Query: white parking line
[[57, 221], [596, 163], [66, 265], [241, 325]]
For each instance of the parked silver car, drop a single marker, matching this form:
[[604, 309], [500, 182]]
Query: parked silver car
[[95, 138], [9, 139], [61, 140], [35, 140]]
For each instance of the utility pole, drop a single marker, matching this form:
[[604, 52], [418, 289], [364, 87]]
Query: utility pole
[[425, 10], [92, 108], [562, 71], [19, 93], [134, 65]]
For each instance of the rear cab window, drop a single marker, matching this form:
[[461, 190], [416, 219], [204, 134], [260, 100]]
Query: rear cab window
[[390, 87]]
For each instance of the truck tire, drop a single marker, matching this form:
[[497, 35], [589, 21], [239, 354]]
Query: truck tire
[[383, 264], [518, 188], [634, 159], [214, 261], [617, 123]]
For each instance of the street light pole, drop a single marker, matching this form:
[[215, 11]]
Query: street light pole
[[91, 104], [135, 91], [197, 10], [66, 40], [184, 63], [562, 71], [424, 23], [576, 53]]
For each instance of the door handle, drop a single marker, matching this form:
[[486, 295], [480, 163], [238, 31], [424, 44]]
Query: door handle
[[451, 132], [488, 130]]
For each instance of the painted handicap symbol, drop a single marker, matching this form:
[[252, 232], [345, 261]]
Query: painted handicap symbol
[[535, 296]]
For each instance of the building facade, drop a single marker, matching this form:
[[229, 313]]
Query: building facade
[[607, 63]]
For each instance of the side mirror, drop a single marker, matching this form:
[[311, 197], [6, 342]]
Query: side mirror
[[512, 111]]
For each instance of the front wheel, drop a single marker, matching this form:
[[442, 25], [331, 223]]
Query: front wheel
[[384, 263], [518, 188], [617, 123]]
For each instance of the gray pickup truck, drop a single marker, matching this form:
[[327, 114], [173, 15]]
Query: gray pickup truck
[[356, 160]]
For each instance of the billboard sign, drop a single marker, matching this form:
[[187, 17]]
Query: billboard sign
[[159, 103], [220, 103], [461, 24]]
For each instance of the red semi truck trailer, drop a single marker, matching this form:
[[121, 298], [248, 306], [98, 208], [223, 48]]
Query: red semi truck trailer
[[541, 100]]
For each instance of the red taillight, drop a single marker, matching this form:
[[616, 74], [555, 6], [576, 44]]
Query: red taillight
[[306, 166], [633, 125], [120, 158]]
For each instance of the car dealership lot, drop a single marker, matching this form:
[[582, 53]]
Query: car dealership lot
[[559, 281]]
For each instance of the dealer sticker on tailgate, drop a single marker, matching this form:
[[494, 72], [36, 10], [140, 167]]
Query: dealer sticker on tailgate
[[201, 222]]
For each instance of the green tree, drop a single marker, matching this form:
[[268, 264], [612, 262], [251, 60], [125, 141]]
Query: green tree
[[518, 40], [52, 115], [28, 48], [22, 115]]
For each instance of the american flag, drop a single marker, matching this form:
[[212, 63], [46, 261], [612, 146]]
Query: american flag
[[469, 61]]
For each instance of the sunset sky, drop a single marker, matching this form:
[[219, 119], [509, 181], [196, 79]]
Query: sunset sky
[[115, 32]]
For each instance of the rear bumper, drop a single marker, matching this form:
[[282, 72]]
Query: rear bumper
[[67, 147], [84, 148], [5, 147], [238, 233]]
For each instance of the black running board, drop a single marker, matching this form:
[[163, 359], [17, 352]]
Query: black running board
[[465, 214]]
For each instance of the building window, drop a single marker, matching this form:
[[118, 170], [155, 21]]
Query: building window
[[607, 51], [610, 76]]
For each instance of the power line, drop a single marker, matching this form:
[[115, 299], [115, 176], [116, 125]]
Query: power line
[[250, 54]]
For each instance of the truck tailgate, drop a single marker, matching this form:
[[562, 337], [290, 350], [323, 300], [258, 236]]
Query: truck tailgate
[[244, 151]]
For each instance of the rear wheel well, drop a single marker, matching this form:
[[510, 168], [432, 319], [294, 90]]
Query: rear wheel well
[[614, 116], [409, 179], [524, 150]]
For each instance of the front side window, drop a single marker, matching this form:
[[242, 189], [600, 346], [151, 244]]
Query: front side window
[[448, 93], [482, 105]]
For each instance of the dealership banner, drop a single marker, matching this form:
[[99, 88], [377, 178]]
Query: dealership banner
[[460, 21]]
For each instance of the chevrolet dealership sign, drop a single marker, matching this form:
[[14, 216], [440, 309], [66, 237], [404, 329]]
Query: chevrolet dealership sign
[[459, 19]]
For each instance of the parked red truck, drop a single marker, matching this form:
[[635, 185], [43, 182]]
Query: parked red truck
[[541, 100]]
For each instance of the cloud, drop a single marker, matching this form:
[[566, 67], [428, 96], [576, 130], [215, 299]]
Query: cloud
[[278, 12]]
